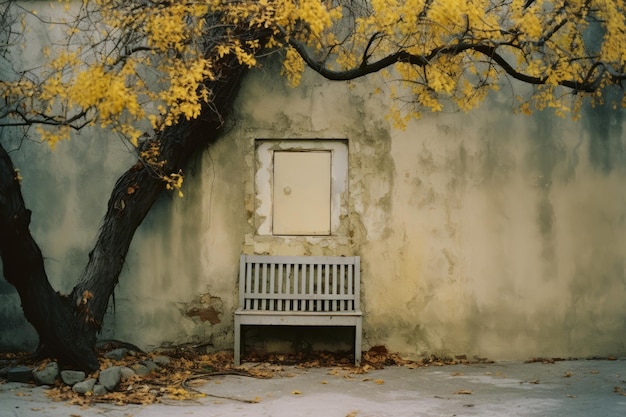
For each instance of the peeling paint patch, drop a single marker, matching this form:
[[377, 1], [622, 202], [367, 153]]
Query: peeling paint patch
[[209, 314], [204, 308]]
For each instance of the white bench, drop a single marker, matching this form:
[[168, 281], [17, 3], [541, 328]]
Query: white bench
[[299, 291]]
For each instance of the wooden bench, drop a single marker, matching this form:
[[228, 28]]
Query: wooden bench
[[299, 291]]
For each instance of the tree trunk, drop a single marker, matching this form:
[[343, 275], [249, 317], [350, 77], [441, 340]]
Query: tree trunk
[[52, 315], [67, 326]]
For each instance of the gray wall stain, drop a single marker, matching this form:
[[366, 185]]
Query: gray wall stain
[[604, 125]]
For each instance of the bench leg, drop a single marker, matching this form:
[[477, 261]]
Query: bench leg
[[357, 343], [237, 353]]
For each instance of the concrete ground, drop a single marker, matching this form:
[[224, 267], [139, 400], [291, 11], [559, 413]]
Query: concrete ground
[[567, 388]]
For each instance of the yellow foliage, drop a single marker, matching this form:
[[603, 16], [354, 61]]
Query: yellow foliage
[[174, 181], [149, 62], [543, 42], [53, 135], [293, 66]]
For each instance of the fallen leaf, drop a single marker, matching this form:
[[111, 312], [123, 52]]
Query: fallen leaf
[[457, 374], [567, 374], [464, 392], [379, 381], [352, 413], [324, 382], [570, 396], [296, 392]]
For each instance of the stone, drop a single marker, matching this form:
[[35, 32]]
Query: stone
[[117, 354], [4, 371], [161, 360], [20, 374], [71, 378], [151, 365], [47, 375], [99, 389], [140, 369], [127, 373], [110, 377], [83, 387]]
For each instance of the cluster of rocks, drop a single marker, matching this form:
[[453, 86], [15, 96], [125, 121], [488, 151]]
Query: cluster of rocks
[[106, 381]]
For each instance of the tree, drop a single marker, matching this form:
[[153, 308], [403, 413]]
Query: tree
[[160, 73]]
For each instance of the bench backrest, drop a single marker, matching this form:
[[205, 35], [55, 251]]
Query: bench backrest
[[299, 283]]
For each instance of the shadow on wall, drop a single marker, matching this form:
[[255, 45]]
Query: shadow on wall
[[605, 126]]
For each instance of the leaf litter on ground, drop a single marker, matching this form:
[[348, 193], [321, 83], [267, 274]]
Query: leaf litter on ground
[[191, 367]]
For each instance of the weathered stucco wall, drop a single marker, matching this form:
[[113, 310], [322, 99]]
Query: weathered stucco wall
[[485, 233], [482, 234]]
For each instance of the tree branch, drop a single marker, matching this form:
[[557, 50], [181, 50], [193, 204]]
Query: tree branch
[[42, 119], [127, 209], [402, 56]]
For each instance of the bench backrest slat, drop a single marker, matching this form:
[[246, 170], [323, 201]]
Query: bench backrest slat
[[319, 288], [288, 286], [281, 305], [350, 286], [310, 306], [272, 302], [255, 289], [299, 283], [263, 286], [342, 283]]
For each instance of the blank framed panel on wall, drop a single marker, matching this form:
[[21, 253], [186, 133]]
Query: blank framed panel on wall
[[302, 193]]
